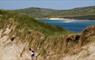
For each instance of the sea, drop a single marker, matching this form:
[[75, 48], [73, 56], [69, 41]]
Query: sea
[[71, 25]]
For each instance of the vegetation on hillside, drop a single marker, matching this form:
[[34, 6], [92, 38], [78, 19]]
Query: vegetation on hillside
[[76, 13], [39, 36], [29, 22]]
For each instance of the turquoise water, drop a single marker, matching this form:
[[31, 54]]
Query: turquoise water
[[73, 25]]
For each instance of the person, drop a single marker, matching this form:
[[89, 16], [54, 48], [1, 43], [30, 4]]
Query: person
[[33, 56]]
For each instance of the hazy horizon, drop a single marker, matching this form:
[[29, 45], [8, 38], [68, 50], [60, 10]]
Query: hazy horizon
[[51, 4]]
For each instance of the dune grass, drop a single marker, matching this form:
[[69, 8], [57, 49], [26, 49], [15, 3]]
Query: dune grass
[[41, 37]]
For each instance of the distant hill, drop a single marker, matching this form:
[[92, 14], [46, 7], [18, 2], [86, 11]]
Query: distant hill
[[78, 13], [81, 13], [37, 12]]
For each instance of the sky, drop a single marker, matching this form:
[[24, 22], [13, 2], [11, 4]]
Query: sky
[[53, 4]]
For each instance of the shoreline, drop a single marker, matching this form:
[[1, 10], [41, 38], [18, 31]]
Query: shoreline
[[61, 19]]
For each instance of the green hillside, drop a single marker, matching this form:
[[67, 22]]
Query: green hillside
[[36, 12], [27, 22], [79, 13]]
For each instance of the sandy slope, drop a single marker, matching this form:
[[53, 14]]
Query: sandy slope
[[11, 50], [87, 53]]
